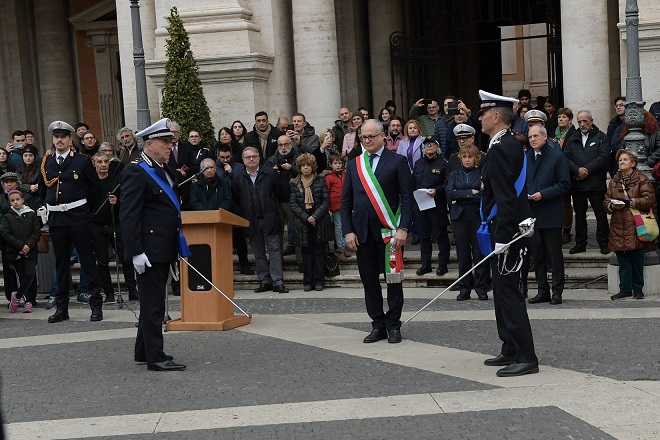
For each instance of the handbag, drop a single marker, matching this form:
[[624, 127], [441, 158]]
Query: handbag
[[331, 264], [645, 224]]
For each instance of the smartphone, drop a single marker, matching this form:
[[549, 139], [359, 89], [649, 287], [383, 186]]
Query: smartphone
[[290, 127], [427, 101], [326, 136], [18, 146], [452, 108]]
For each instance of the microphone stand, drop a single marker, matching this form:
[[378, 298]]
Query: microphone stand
[[194, 176]]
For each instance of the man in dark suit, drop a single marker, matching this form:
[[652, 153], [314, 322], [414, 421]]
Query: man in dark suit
[[500, 171], [68, 179], [548, 180], [362, 225], [150, 220]]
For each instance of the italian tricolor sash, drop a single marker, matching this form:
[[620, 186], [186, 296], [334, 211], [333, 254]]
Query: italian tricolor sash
[[389, 220]]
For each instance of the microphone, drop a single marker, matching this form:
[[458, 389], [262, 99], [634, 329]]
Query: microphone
[[194, 176]]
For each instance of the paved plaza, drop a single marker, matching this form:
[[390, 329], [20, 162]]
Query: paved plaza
[[301, 371]]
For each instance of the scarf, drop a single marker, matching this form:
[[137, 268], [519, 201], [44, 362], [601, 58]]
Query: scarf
[[263, 137], [625, 180], [23, 210], [309, 198], [411, 147]]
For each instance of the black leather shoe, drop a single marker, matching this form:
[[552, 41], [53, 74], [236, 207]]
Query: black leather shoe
[[394, 336], [638, 294], [499, 361], [555, 300], [166, 365], [264, 288], [604, 250], [376, 335], [245, 270], [463, 297], [577, 249], [424, 269], [59, 316], [97, 315], [483, 296], [144, 360], [441, 270], [280, 289], [519, 369], [539, 298], [621, 295], [456, 288]]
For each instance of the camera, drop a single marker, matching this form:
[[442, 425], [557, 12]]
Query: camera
[[452, 108]]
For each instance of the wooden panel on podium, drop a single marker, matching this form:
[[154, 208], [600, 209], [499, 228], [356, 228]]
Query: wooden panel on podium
[[203, 307]]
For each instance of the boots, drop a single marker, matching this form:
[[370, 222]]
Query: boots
[[97, 315], [60, 315], [110, 298]]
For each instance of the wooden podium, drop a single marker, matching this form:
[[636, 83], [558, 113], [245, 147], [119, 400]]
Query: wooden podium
[[209, 236]]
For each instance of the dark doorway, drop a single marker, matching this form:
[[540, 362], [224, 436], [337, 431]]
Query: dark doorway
[[453, 47]]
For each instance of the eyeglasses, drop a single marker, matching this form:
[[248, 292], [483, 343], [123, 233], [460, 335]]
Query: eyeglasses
[[619, 105], [251, 157], [369, 137], [106, 151]]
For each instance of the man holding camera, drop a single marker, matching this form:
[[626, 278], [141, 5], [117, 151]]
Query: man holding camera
[[15, 149]]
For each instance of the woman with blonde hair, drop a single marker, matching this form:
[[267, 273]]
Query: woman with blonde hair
[[411, 146], [312, 229], [628, 189]]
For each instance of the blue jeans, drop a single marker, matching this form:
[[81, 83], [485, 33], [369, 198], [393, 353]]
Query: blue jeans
[[339, 237]]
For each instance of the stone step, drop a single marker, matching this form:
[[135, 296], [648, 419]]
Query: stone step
[[587, 269], [576, 278]]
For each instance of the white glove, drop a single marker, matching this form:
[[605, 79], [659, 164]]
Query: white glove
[[499, 248], [140, 261]]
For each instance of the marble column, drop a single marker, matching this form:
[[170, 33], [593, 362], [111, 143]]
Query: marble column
[[585, 58], [316, 61], [58, 96], [385, 17]]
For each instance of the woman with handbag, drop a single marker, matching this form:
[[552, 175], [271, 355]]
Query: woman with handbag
[[310, 201], [629, 194]]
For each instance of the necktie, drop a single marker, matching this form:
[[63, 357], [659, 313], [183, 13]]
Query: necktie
[[537, 157], [175, 152], [371, 159], [60, 159]]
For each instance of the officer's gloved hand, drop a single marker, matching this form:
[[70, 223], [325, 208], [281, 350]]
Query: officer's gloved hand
[[499, 247], [141, 262]]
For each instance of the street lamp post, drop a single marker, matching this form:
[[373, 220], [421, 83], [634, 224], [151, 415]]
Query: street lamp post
[[634, 116], [143, 117]]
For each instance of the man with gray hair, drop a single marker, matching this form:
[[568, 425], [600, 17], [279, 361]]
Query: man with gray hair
[[588, 154], [129, 150], [256, 191]]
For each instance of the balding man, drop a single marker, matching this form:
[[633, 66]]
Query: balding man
[[342, 125], [588, 154], [377, 196], [210, 191]]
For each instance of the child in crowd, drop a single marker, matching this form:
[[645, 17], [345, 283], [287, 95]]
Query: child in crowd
[[21, 232], [335, 182]]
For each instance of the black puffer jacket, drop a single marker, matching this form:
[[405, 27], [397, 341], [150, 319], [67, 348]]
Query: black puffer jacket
[[19, 230], [324, 229]]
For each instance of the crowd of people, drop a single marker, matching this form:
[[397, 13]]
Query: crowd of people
[[284, 174]]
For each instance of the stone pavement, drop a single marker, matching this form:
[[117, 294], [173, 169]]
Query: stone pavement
[[300, 370]]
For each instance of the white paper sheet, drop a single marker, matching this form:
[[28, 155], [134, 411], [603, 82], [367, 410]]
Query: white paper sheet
[[423, 199]]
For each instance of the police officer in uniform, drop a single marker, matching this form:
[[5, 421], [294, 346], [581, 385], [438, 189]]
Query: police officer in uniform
[[464, 136], [430, 173], [68, 178], [150, 220], [500, 170]]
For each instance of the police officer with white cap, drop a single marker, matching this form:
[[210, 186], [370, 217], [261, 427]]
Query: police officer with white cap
[[67, 178], [465, 136], [537, 117], [505, 198], [150, 218]]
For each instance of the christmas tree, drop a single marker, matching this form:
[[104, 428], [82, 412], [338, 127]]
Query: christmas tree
[[183, 96]]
